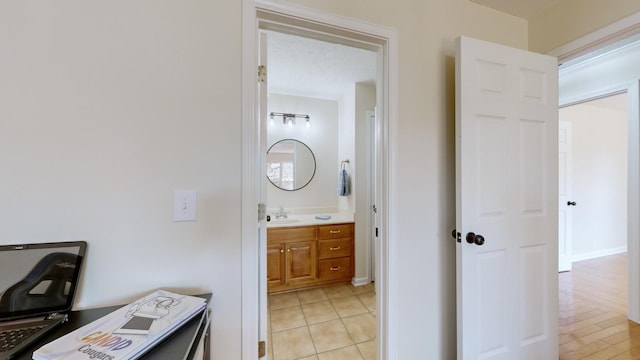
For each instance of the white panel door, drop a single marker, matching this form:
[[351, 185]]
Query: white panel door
[[565, 202], [506, 202]]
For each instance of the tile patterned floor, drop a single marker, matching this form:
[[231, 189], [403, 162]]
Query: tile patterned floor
[[336, 322]]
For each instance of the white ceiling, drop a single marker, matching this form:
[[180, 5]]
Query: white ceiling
[[312, 68], [521, 8]]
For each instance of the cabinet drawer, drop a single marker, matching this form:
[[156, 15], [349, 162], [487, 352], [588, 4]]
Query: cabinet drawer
[[333, 269], [285, 234], [335, 231], [334, 248]]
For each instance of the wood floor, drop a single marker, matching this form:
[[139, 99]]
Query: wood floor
[[593, 307]]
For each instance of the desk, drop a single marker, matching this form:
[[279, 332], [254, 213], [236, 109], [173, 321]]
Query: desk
[[182, 344]]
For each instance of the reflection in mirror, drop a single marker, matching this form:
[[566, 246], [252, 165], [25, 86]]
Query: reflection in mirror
[[290, 164]]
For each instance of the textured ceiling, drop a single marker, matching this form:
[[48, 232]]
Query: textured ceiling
[[307, 67], [521, 8]]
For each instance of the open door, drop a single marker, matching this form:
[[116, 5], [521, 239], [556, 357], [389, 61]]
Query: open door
[[565, 200], [506, 202]]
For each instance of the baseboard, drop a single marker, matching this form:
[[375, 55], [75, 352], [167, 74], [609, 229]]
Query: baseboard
[[360, 281], [599, 253]]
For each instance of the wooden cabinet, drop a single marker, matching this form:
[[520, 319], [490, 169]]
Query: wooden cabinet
[[305, 256], [335, 261], [291, 257], [275, 265]]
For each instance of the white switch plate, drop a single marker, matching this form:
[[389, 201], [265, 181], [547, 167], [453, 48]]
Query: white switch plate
[[184, 205]]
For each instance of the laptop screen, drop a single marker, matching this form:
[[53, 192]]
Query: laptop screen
[[38, 279]]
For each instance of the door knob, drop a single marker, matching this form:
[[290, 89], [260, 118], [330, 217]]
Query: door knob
[[571, 203], [471, 238], [456, 235], [475, 239]]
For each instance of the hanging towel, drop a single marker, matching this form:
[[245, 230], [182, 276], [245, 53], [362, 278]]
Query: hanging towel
[[343, 183]]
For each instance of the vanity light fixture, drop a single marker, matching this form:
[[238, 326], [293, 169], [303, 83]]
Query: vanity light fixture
[[289, 119]]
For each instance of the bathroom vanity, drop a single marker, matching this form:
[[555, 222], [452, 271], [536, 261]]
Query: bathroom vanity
[[309, 255]]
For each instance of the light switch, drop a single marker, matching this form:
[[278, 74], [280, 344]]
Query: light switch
[[184, 205]]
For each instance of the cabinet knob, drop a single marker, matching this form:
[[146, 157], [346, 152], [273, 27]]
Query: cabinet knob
[[281, 250], [335, 268], [289, 250], [334, 248], [334, 231]]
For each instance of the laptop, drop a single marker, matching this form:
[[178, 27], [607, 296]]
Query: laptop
[[37, 285]]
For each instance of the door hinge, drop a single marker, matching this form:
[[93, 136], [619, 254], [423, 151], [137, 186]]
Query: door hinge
[[262, 349], [262, 73], [262, 211]]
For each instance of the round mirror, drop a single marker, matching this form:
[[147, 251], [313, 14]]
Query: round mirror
[[290, 164]]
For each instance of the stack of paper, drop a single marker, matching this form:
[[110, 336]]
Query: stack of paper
[[127, 332]]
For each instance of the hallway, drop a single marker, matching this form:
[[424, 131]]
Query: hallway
[[593, 305]]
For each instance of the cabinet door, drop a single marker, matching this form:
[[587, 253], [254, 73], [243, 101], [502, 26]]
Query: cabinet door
[[275, 265], [302, 265]]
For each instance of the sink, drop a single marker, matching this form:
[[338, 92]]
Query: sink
[[284, 221]]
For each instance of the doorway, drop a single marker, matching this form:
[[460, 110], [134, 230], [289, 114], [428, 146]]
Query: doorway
[[602, 69], [597, 189], [314, 24], [318, 94]]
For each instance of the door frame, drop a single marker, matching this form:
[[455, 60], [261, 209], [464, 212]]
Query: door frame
[[565, 214], [633, 186], [372, 147], [619, 30], [310, 21]]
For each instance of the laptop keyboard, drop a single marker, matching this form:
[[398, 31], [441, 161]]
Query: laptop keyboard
[[11, 338]]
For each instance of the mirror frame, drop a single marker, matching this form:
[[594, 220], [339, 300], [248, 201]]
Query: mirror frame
[[313, 156]]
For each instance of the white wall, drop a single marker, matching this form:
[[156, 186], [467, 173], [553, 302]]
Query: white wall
[[106, 108], [321, 138], [599, 166], [365, 100], [347, 146]]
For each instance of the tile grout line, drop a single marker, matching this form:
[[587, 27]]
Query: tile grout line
[[315, 348], [339, 317], [348, 332]]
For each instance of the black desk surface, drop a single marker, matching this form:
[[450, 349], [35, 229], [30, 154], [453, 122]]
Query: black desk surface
[[176, 346]]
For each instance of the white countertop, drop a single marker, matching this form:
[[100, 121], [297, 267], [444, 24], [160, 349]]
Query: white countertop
[[309, 219]]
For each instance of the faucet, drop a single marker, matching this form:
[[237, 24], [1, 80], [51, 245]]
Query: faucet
[[281, 214]]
